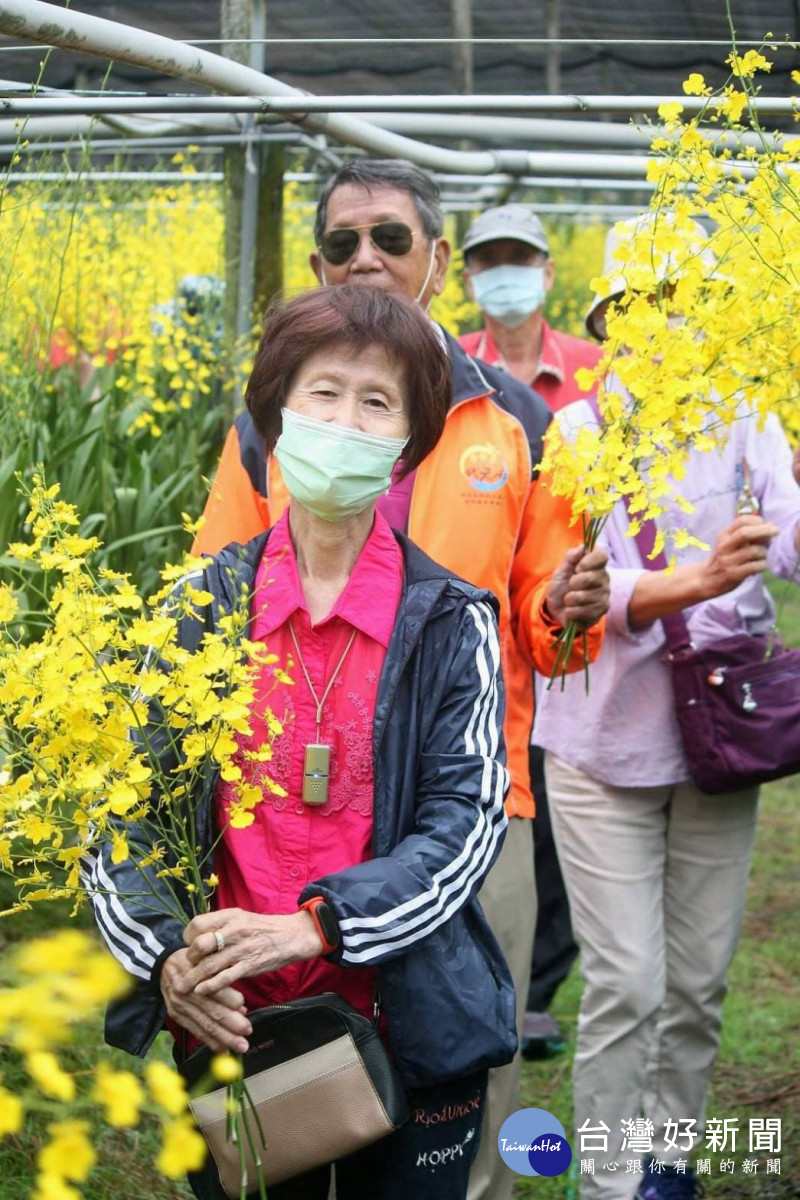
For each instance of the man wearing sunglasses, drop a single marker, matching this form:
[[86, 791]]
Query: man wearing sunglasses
[[475, 504]]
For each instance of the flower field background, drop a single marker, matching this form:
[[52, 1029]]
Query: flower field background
[[115, 370], [116, 373]]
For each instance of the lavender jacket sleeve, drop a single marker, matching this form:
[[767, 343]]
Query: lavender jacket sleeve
[[770, 458]]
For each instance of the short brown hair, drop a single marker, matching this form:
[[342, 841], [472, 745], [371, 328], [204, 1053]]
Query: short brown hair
[[355, 316]]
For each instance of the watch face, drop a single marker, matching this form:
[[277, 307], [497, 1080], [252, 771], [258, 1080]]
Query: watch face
[[328, 925]]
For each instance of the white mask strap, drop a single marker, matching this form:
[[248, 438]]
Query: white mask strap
[[421, 292]]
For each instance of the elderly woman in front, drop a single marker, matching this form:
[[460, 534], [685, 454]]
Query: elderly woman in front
[[363, 883]]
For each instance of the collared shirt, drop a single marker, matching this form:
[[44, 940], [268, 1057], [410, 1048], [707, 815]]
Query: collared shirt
[[264, 867], [624, 732], [562, 355], [395, 505]]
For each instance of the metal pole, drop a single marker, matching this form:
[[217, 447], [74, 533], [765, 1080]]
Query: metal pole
[[463, 66], [148, 177], [686, 43], [311, 111], [553, 27], [463, 79], [265, 223], [269, 244], [39, 22], [222, 129], [235, 26]]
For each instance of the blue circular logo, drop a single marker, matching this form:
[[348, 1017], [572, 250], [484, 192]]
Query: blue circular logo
[[533, 1142], [550, 1155]]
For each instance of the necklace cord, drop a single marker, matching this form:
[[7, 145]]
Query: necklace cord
[[319, 703]]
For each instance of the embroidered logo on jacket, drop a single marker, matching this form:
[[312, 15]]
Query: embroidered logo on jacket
[[484, 467]]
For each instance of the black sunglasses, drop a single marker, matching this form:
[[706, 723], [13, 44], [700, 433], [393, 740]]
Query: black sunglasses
[[393, 237]]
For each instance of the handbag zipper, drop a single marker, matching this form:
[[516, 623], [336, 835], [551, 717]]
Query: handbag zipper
[[779, 678], [749, 702], [276, 1008], [717, 678]]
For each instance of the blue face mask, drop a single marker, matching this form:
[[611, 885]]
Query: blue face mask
[[509, 294]]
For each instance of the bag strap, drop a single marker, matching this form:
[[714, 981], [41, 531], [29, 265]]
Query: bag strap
[[676, 630]]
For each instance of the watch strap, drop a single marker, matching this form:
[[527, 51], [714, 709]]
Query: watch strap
[[324, 922]]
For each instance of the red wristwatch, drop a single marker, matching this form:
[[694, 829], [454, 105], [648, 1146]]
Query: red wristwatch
[[325, 922]]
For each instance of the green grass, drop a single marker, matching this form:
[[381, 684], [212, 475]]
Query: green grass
[[787, 606], [757, 1074], [758, 1070]]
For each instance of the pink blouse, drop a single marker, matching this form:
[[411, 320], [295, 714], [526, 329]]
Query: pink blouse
[[264, 867]]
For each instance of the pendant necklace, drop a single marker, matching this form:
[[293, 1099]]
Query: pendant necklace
[[317, 756]]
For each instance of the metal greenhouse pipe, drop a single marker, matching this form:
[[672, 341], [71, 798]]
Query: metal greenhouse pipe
[[41, 22], [300, 106], [71, 30], [531, 130], [64, 127], [540, 129], [111, 177], [518, 129]]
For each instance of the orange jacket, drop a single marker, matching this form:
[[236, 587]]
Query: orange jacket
[[477, 507]]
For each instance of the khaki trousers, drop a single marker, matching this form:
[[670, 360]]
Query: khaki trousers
[[656, 879], [508, 897]]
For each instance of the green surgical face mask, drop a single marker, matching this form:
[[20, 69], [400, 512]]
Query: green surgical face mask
[[333, 471]]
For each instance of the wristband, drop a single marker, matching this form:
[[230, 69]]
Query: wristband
[[325, 923]]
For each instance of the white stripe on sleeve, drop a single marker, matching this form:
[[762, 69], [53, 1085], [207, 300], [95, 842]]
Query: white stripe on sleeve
[[372, 952], [112, 935], [451, 882], [100, 876]]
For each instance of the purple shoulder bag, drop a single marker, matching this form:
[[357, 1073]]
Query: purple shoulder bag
[[737, 704]]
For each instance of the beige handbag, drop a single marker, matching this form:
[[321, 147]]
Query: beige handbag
[[313, 1065]]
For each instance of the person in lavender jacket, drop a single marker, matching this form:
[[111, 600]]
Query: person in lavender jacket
[[655, 869]]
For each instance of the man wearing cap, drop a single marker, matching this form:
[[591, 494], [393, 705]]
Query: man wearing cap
[[509, 272]]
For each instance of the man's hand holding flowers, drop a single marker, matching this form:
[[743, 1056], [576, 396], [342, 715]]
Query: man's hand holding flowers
[[580, 589], [740, 551]]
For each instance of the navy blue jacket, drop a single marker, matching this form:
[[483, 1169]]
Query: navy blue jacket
[[438, 824]]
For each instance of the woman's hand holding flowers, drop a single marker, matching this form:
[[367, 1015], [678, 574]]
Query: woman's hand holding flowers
[[740, 551], [218, 1019], [250, 944]]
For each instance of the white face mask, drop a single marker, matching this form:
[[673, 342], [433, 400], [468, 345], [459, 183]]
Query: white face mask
[[509, 293], [332, 470], [421, 291]]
